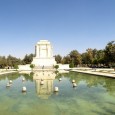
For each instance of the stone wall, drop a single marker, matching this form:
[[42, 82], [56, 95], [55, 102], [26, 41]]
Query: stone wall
[[63, 66], [24, 67]]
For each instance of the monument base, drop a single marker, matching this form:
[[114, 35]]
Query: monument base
[[43, 62]]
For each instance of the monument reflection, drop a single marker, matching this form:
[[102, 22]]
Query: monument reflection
[[46, 77]]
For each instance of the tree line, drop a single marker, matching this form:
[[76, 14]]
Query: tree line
[[13, 62], [90, 58]]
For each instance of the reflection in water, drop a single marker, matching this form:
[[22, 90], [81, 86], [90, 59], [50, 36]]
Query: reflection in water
[[93, 81], [94, 95], [47, 77]]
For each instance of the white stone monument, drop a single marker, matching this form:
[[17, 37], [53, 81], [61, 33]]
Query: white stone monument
[[43, 54]]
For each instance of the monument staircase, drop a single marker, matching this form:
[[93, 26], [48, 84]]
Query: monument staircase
[[43, 68]]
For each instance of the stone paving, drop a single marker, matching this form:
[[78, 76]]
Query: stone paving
[[94, 72], [7, 72]]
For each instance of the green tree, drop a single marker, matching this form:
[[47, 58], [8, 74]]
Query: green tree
[[16, 67], [66, 60], [28, 59], [58, 58], [3, 62], [93, 57], [32, 66], [100, 57], [56, 66], [71, 65], [84, 59], [110, 53], [89, 56], [12, 61], [75, 57]]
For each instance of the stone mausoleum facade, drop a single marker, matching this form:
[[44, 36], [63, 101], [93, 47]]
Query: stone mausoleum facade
[[44, 54]]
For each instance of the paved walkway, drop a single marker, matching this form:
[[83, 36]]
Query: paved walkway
[[96, 73], [7, 72]]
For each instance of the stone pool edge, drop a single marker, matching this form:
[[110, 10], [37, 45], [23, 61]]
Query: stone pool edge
[[8, 72], [95, 73]]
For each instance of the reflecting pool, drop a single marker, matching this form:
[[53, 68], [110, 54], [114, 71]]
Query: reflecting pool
[[94, 95]]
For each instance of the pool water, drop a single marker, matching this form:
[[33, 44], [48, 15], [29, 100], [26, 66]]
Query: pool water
[[94, 95]]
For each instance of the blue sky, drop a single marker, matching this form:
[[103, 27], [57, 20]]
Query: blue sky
[[67, 24]]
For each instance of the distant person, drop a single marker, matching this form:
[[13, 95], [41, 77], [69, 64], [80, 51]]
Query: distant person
[[43, 67]]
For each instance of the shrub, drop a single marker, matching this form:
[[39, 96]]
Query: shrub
[[56, 66]]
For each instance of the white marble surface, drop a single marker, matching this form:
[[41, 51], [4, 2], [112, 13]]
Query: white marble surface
[[43, 54]]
